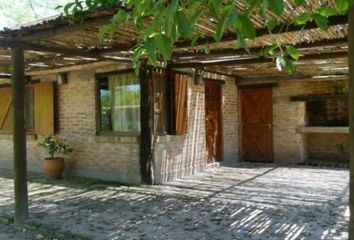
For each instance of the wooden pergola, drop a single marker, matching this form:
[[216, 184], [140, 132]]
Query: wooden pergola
[[54, 44]]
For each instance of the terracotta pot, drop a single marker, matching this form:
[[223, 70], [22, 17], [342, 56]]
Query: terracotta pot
[[54, 167]]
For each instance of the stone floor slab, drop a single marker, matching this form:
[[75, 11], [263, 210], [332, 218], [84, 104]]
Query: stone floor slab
[[246, 201]]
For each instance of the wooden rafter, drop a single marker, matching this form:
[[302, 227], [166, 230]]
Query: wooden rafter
[[254, 60], [292, 77]]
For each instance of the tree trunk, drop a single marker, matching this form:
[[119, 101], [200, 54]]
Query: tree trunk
[[146, 127], [19, 137]]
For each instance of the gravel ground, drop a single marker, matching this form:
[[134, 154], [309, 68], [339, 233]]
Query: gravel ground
[[246, 201], [11, 232]]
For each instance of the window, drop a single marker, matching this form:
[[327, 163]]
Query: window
[[327, 113], [119, 97], [39, 109]]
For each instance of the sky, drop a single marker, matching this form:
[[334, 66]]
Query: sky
[[14, 12]]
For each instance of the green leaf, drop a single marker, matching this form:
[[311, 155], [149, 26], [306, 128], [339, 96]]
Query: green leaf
[[119, 17], [102, 32], [67, 8], [326, 11], [289, 65], [283, 62], [321, 21], [277, 6], [269, 50], [293, 52], [245, 27], [272, 24], [280, 62], [164, 44], [241, 42], [298, 3], [184, 25], [150, 47], [213, 7], [194, 39], [222, 24], [207, 48], [342, 6], [173, 7], [302, 19]]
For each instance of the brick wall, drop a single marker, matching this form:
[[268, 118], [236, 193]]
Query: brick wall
[[328, 147], [231, 121], [105, 157], [178, 156], [117, 157], [291, 146]]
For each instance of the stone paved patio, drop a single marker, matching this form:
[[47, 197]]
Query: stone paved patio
[[250, 201]]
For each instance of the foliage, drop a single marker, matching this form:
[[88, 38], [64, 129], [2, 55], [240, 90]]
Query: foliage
[[53, 145], [160, 23]]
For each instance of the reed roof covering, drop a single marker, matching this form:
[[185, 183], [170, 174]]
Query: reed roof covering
[[53, 43]]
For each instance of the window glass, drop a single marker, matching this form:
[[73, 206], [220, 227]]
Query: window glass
[[120, 103]]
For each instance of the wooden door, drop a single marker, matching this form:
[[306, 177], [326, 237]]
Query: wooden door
[[213, 121], [257, 124]]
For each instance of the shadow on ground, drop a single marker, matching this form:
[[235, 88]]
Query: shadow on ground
[[249, 201]]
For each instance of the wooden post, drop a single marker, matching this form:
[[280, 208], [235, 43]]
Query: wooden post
[[351, 117], [146, 126], [19, 137]]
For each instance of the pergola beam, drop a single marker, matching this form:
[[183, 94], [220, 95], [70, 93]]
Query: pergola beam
[[8, 43], [292, 77], [3, 75], [256, 50], [333, 21], [255, 60]]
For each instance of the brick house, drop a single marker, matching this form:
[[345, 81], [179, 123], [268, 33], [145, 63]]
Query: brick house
[[201, 113]]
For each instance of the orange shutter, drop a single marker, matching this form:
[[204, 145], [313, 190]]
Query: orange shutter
[[181, 118], [44, 108], [6, 114]]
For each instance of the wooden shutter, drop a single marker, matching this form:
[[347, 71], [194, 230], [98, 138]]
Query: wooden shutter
[[181, 117], [6, 114], [44, 108]]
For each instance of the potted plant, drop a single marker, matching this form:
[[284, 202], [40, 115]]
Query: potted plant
[[53, 165]]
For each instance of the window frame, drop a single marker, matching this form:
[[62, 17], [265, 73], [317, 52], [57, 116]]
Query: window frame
[[99, 77]]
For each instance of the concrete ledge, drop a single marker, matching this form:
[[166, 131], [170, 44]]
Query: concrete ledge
[[322, 130]]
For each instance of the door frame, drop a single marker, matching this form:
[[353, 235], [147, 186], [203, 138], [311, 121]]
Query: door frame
[[221, 83], [254, 86]]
